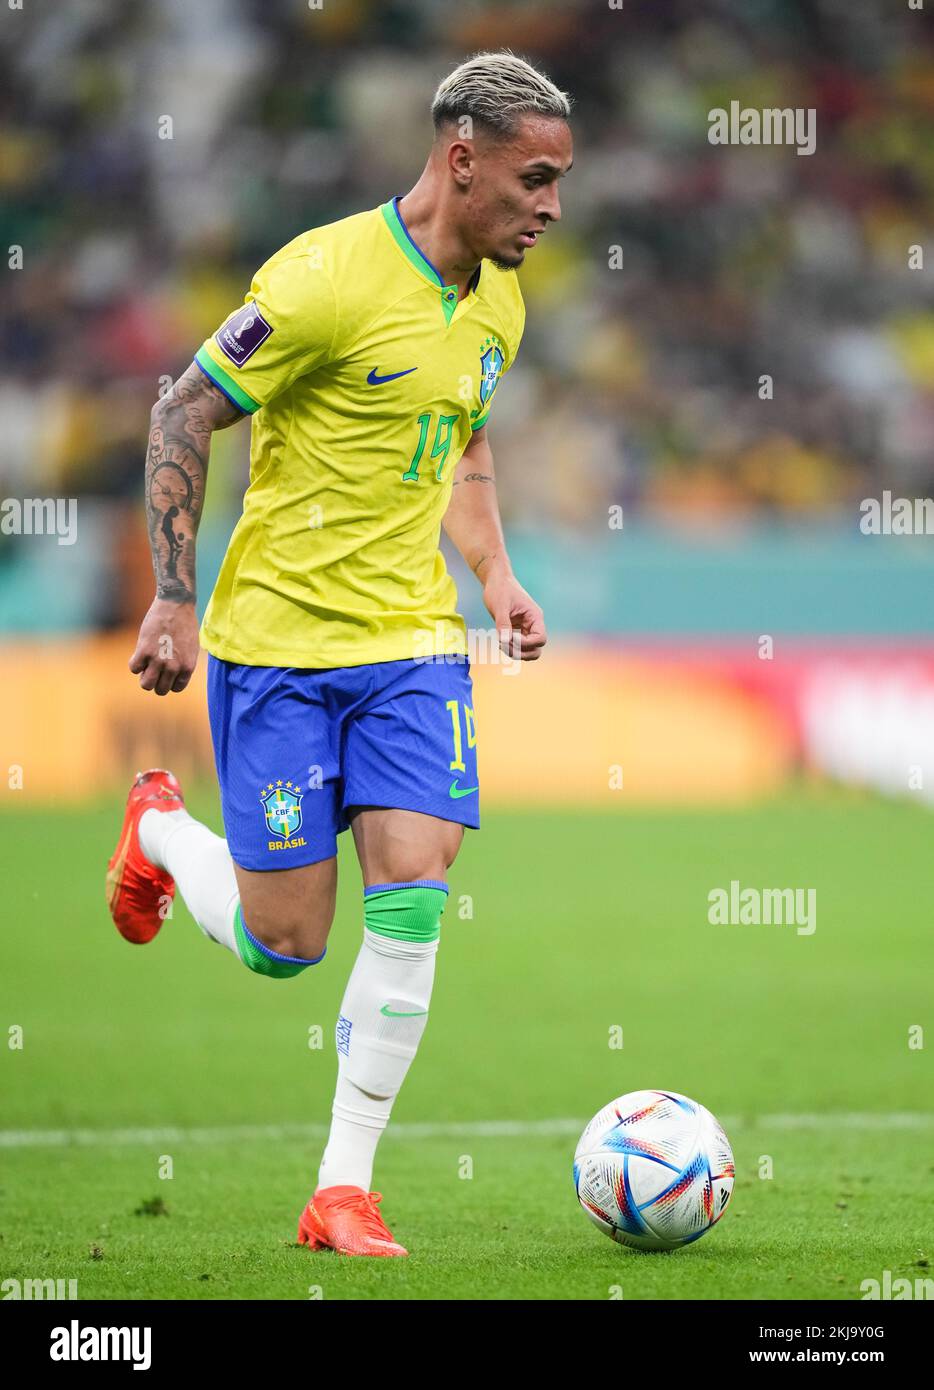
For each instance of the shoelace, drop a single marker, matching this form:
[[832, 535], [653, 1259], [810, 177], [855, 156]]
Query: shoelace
[[365, 1204]]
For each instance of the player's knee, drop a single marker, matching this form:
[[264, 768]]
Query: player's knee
[[287, 916], [413, 864], [300, 936], [282, 947]]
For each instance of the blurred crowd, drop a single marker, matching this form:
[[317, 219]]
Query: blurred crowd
[[765, 349]]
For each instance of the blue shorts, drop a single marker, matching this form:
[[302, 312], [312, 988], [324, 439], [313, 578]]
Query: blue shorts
[[295, 748]]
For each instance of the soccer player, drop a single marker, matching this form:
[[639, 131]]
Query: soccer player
[[367, 352]]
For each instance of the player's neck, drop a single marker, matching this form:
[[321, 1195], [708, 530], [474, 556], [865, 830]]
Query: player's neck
[[427, 227]]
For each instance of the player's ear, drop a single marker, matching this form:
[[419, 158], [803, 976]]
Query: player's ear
[[461, 157]]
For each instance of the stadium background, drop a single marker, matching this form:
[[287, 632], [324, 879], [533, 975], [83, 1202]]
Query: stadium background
[[635, 388]]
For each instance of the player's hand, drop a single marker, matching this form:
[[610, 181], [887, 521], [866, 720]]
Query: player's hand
[[519, 621], [167, 647]]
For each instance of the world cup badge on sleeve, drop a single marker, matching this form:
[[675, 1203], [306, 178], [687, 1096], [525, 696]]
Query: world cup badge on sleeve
[[242, 334]]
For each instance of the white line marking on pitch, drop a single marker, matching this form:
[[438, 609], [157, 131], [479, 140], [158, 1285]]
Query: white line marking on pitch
[[474, 1129]]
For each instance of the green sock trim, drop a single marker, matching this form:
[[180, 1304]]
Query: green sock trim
[[405, 914], [255, 959]]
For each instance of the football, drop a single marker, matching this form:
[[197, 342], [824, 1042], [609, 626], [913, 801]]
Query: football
[[654, 1170]]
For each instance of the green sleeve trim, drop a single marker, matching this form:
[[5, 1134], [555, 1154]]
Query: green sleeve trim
[[478, 424], [225, 382]]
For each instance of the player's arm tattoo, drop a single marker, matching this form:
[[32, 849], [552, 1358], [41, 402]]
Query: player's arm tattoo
[[176, 472], [487, 555], [478, 478]]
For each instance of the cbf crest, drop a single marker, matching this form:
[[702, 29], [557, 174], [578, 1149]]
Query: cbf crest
[[492, 361], [282, 802]]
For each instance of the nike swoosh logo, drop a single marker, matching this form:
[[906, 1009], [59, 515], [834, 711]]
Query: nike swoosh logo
[[374, 380], [391, 1013], [456, 791]]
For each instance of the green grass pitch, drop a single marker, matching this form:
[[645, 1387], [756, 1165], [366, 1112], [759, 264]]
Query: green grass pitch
[[559, 927]]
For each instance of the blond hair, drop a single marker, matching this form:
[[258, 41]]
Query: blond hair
[[495, 90]]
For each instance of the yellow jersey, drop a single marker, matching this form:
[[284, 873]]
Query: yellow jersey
[[365, 376]]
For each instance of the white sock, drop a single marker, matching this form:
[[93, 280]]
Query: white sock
[[374, 1051], [201, 865]]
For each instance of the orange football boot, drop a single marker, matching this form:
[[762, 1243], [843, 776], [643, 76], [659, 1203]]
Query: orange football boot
[[346, 1219], [136, 888]]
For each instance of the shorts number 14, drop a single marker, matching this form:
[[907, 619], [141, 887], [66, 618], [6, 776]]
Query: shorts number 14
[[454, 706]]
